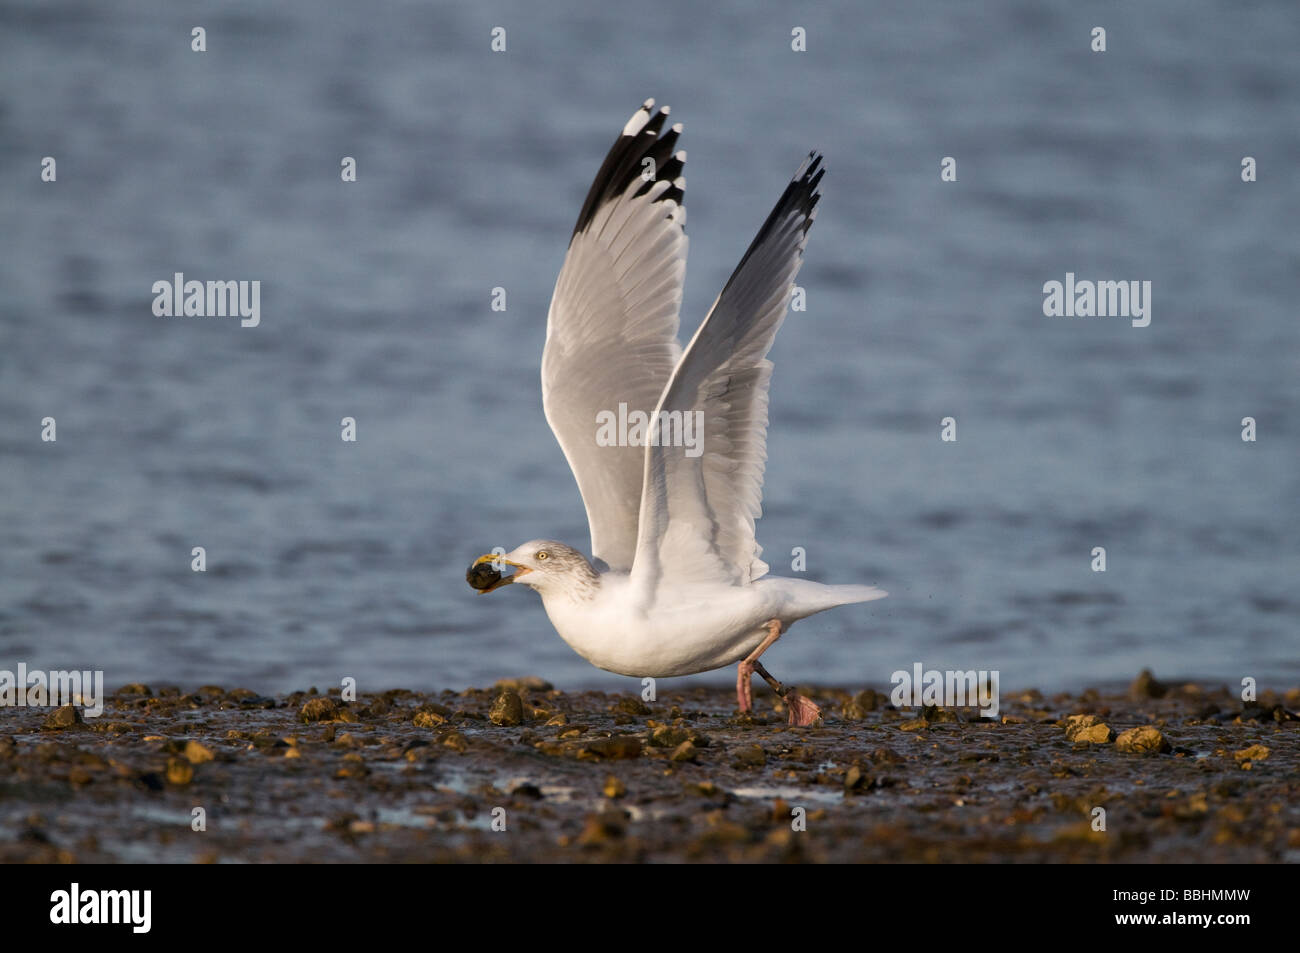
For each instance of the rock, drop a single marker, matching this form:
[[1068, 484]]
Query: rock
[[455, 741], [749, 756], [614, 787], [936, 715], [428, 719], [508, 709], [1087, 728], [870, 699], [179, 771], [1143, 740], [1076, 723], [353, 766], [603, 828], [197, 753], [616, 748], [1094, 734], [320, 709], [706, 789], [1146, 686], [7, 747], [683, 752], [64, 717], [528, 683], [855, 779], [861, 704], [670, 736], [1253, 753], [631, 705], [135, 688]]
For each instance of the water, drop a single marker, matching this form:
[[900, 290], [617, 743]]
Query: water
[[328, 559]]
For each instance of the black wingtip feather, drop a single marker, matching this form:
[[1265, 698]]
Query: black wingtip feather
[[624, 163], [801, 194]]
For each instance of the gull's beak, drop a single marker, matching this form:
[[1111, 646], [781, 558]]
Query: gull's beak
[[504, 580]]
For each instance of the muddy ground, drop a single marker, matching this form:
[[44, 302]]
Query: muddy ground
[[589, 777]]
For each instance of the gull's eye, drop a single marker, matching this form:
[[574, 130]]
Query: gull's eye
[[542, 554]]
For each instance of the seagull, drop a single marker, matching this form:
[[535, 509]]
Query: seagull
[[667, 444]]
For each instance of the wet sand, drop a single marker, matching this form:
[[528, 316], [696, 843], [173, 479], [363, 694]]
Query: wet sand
[[594, 777]]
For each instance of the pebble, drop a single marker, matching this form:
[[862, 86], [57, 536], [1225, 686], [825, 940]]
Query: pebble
[[1094, 734], [528, 683], [855, 779], [1088, 728], [428, 719], [179, 771], [61, 718], [936, 715], [614, 787], [631, 705], [1147, 686], [320, 709], [1142, 740], [602, 828], [749, 756], [1253, 753], [196, 752], [683, 752], [616, 748], [508, 709]]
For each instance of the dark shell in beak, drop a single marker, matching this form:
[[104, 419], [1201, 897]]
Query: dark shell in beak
[[483, 577]]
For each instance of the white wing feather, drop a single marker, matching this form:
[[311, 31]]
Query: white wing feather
[[611, 334], [697, 512]]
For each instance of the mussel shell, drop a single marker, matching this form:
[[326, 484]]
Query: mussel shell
[[482, 576]]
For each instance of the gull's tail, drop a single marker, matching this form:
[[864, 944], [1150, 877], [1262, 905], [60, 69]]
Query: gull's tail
[[847, 595], [803, 597]]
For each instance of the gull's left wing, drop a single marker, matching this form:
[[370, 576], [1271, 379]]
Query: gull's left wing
[[611, 335], [698, 508]]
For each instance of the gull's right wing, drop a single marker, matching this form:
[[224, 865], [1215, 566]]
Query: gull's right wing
[[699, 505], [611, 335]]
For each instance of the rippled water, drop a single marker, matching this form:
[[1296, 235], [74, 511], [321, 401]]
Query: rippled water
[[328, 559]]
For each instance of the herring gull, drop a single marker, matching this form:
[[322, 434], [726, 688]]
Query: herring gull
[[667, 444]]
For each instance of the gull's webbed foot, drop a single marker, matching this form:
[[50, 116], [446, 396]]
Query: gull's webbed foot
[[802, 711]]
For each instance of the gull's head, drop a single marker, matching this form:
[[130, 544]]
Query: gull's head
[[548, 566]]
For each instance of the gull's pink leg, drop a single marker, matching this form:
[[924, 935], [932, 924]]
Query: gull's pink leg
[[744, 693], [745, 670]]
